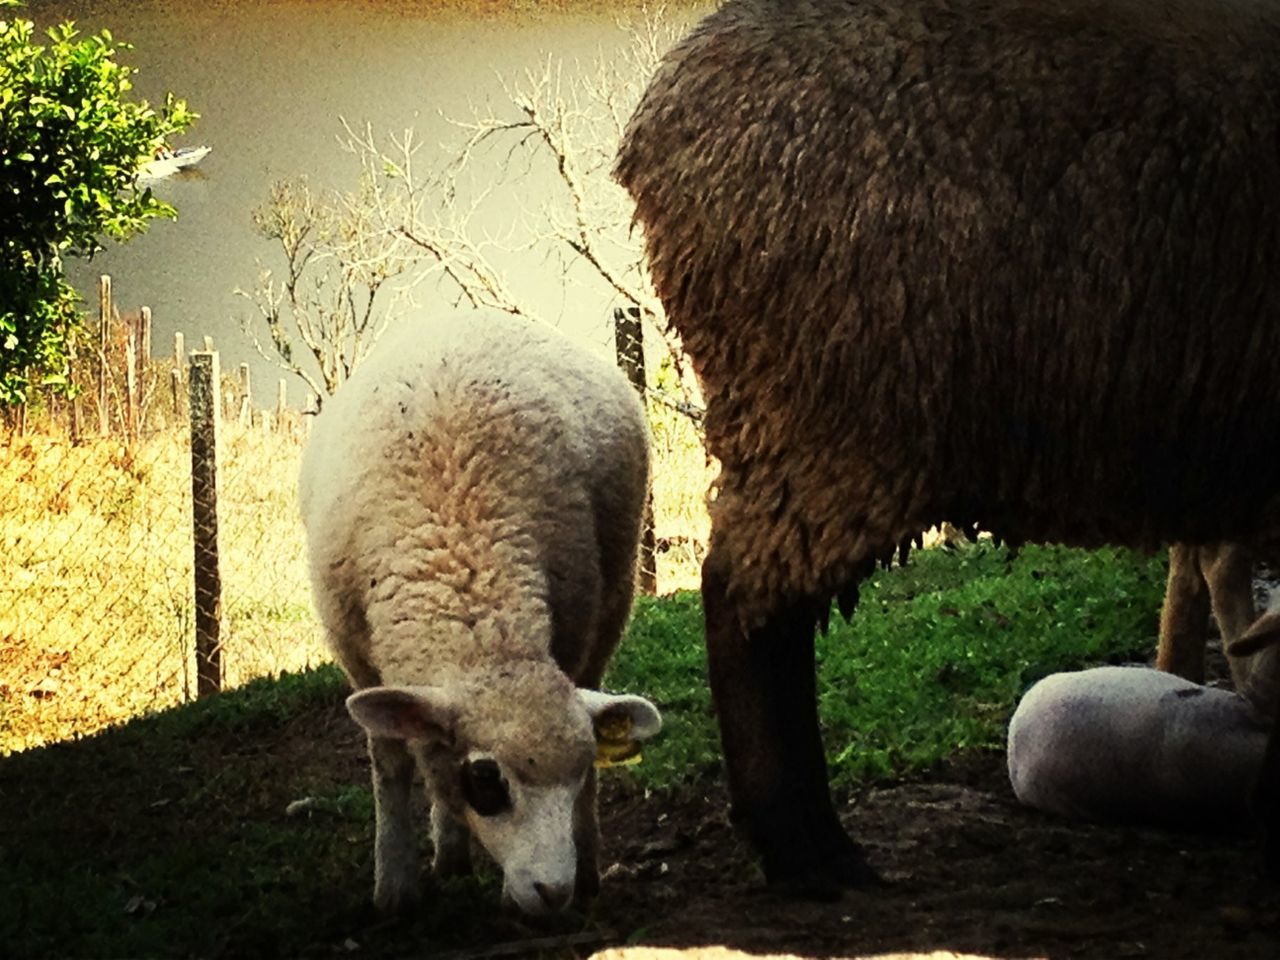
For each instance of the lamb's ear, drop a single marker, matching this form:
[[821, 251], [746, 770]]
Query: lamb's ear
[[621, 721], [1262, 633], [405, 713]]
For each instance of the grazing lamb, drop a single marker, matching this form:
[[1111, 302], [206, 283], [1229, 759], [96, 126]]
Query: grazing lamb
[[1013, 263], [1130, 744], [472, 498]]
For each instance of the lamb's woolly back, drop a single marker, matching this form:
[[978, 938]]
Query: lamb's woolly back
[[439, 476]]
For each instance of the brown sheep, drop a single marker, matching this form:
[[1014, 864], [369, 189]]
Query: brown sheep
[[1013, 263]]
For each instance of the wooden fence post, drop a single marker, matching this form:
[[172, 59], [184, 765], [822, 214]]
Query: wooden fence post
[[205, 393], [104, 327], [176, 374], [77, 420], [131, 386], [629, 342], [179, 353], [144, 338], [246, 397]]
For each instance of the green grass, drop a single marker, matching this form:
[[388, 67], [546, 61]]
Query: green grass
[[938, 653], [933, 660], [169, 836]]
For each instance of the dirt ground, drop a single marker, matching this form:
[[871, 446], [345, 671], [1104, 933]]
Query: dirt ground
[[965, 869]]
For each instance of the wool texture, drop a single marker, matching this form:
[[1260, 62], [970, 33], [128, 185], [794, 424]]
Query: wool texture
[[1012, 263]]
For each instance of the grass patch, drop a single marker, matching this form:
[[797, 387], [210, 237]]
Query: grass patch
[[939, 652], [932, 662]]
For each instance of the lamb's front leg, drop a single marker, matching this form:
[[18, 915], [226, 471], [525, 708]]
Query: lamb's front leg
[[395, 877], [586, 840], [452, 841]]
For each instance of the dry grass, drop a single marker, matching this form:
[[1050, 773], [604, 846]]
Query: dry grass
[[96, 556], [96, 562]]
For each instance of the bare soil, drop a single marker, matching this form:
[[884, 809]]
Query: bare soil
[[965, 868]]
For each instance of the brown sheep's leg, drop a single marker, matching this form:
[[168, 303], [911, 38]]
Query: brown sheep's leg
[[1228, 570], [766, 702], [1184, 618]]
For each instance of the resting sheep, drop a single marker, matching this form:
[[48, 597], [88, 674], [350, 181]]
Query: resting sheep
[[472, 499], [1011, 263], [1130, 744]]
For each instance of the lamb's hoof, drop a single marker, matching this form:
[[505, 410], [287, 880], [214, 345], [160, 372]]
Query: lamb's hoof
[[396, 901]]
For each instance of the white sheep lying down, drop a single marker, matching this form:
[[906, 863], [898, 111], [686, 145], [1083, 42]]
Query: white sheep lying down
[[473, 499], [1136, 745]]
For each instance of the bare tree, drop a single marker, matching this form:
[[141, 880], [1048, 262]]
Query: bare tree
[[404, 220], [338, 265]]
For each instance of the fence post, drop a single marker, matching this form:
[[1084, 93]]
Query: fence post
[[205, 392], [246, 397], [131, 386], [77, 420], [176, 375], [179, 353], [629, 342], [144, 339], [104, 326]]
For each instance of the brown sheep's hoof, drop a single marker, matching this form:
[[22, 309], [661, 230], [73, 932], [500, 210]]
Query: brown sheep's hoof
[[812, 867]]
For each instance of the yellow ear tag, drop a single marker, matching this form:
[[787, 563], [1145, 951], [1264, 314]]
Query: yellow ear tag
[[614, 746]]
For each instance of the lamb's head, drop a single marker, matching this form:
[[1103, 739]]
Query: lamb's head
[[1260, 647], [508, 752]]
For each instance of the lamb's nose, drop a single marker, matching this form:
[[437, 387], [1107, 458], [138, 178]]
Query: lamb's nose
[[555, 896]]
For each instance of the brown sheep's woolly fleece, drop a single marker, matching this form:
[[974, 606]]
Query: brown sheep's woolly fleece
[[1013, 263]]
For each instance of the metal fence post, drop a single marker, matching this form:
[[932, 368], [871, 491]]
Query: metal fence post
[[205, 396], [629, 342]]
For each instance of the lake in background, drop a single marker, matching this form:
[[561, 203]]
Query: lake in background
[[270, 82]]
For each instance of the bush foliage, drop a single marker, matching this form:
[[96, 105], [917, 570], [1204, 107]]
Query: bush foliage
[[71, 144]]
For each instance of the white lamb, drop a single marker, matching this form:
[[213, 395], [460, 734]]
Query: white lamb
[[473, 498], [1136, 745]]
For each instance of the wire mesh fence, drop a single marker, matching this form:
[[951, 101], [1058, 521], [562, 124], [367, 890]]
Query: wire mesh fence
[[102, 561], [97, 555], [97, 608]]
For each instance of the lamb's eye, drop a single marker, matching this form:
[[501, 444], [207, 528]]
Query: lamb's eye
[[483, 787]]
